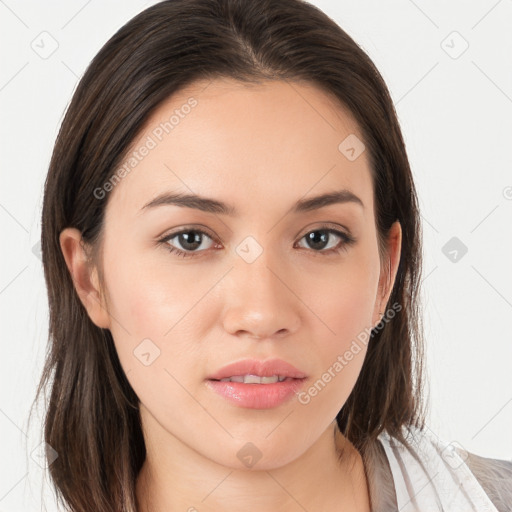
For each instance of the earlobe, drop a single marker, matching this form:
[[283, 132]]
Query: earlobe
[[84, 276]]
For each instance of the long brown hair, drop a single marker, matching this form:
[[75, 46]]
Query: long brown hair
[[92, 418]]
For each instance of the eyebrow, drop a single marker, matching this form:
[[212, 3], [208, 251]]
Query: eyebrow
[[209, 205]]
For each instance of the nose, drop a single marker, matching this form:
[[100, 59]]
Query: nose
[[259, 300]]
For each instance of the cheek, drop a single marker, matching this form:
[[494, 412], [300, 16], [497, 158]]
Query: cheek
[[163, 304], [344, 297], [345, 310], [150, 299], [151, 312]]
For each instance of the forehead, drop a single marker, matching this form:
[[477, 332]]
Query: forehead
[[250, 144]]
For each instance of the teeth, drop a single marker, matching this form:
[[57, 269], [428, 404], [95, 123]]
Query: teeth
[[254, 379]]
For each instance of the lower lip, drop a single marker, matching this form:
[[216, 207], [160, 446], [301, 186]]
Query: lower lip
[[257, 396]]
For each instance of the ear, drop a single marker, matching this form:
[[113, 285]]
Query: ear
[[84, 276], [388, 271]]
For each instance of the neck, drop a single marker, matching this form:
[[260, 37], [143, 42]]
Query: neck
[[327, 476]]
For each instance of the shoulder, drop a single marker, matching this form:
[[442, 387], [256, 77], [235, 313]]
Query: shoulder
[[495, 477], [428, 468]]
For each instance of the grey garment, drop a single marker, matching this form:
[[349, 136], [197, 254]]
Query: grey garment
[[380, 479], [494, 476]]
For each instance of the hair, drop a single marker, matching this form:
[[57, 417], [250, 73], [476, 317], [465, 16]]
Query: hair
[[92, 417]]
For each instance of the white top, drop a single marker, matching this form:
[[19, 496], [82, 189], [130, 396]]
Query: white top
[[445, 485]]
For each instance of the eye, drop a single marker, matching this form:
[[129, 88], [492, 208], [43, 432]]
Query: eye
[[318, 240], [189, 240]]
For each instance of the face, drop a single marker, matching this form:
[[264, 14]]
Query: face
[[262, 278]]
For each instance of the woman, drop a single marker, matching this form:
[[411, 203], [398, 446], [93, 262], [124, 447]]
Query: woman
[[231, 245]]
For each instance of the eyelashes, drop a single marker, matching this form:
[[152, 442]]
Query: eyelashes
[[196, 236]]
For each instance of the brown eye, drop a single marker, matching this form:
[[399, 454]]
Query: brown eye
[[186, 242], [332, 239]]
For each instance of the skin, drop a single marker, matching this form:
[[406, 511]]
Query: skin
[[259, 148]]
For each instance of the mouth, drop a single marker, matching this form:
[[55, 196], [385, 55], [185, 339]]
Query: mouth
[[256, 384], [250, 392], [256, 379]]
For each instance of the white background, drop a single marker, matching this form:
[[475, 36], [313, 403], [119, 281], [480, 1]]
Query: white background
[[456, 116]]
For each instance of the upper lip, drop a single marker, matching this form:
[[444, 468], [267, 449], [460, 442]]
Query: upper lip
[[265, 368]]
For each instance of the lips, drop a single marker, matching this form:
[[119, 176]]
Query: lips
[[255, 391], [267, 368]]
